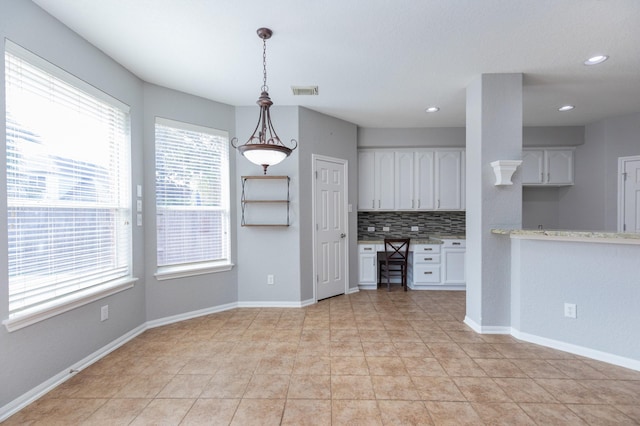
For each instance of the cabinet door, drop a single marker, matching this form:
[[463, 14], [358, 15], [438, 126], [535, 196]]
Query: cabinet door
[[559, 165], [424, 185], [384, 179], [449, 180], [368, 273], [366, 180], [454, 266], [404, 193], [532, 168]]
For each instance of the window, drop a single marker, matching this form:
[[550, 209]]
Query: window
[[68, 190], [192, 199]]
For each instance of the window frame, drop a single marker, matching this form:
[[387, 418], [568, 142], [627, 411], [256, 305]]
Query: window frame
[[99, 289], [189, 269]]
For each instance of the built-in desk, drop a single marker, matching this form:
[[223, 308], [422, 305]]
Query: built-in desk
[[434, 263]]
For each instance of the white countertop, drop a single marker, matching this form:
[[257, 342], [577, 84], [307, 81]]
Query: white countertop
[[569, 235]]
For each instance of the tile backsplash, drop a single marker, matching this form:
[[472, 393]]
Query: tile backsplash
[[400, 223]]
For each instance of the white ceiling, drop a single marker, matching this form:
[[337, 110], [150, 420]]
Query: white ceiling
[[378, 63]]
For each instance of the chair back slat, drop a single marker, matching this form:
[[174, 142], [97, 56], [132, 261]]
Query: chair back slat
[[396, 248]]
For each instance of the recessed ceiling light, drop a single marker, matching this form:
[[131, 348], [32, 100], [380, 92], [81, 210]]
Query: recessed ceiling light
[[432, 109], [598, 59], [566, 108]]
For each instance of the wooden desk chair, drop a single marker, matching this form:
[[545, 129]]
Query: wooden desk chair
[[395, 261]]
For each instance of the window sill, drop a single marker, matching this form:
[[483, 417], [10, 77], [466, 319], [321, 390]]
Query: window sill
[[74, 301], [171, 272]]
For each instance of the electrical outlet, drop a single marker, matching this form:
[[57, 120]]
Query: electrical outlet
[[570, 310], [104, 313], [414, 229], [270, 279], [385, 229], [371, 229]]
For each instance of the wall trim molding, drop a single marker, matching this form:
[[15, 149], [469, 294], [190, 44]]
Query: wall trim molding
[[607, 357], [190, 315], [37, 392], [275, 304], [486, 329]]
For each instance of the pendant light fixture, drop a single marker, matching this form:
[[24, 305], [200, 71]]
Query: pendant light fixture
[[264, 147]]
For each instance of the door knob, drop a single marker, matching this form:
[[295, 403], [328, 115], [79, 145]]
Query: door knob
[[343, 235]]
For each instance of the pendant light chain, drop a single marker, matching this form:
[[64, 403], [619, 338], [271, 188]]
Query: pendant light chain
[[265, 88]]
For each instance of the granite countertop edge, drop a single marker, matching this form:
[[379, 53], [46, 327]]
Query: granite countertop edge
[[439, 239], [541, 233]]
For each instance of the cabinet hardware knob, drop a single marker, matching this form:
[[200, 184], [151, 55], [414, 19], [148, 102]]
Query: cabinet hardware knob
[[428, 258], [456, 244], [428, 273]]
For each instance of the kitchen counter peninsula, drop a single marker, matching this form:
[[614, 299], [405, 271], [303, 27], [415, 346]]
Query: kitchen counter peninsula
[[577, 291]]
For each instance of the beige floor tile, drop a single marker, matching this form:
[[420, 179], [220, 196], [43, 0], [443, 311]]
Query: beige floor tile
[[499, 368], [502, 414], [307, 412], [312, 365], [461, 367], [524, 390], [437, 389], [144, 386], [423, 367], [539, 369], [267, 386], [412, 349], [117, 411], [576, 369], [226, 386], [352, 387], [570, 391], [309, 387], [600, 414], [185, 386], [551, 414], [623, 392], [453, 413], [394, 387], [379, 349], [262, 412], [349, 365], [355, 412], [211, 412], [346, 349], [632, 411], [447, 350], [386, 366], [275, 365], [163, 412], [401, 413], [480, 350], [481, 389]]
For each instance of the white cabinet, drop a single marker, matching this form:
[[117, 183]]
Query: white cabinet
[[367, 265], [422, 179], [551, 166], [376, 180], [449, 188], [453, 262], [424, 269]]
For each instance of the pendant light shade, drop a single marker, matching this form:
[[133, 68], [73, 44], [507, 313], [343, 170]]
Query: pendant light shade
[[264, 147]]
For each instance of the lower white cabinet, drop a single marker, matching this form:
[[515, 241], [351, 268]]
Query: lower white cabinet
[[453, 262], [431, 266]]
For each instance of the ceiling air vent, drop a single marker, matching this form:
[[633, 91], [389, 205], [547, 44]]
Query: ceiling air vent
[[304, 90]]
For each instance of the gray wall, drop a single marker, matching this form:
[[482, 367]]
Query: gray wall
[[592, 203], [34, 354], [176, 296], [269, 250], [324, 135], [540, 206], [601, 279]]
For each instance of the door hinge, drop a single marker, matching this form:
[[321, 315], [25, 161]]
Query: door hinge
[[316, 172], [317, 278], [624, 175]]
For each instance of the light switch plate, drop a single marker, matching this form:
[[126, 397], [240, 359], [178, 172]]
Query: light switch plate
[[385, 229], [371, 229], [415, 229]]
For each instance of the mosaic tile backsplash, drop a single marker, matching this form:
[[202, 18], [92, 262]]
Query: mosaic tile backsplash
[[400, 223]]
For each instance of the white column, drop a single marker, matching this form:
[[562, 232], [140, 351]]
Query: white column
[[494, 132]]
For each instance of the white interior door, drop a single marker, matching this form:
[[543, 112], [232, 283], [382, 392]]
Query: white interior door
[[330, 227], [630, 195]]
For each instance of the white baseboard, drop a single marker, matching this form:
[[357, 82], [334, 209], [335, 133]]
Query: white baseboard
[[189, 315], [40, 390], [486, 329], [353, 290], [578, 350], [274, 304]]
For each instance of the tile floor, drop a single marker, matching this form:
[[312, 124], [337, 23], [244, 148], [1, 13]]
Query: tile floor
[[371, 358]]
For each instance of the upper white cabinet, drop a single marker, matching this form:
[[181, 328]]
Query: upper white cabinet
[[422, 179], [376, 180], [449, 180], [549, 166]]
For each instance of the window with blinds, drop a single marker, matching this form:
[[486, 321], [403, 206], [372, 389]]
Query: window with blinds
[[192, 197], [68, 183]]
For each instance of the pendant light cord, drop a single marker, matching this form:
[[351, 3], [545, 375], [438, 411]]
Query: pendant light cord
[[265, 88]]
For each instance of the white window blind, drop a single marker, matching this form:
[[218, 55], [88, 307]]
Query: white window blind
[[68, 181], [192, 195]]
